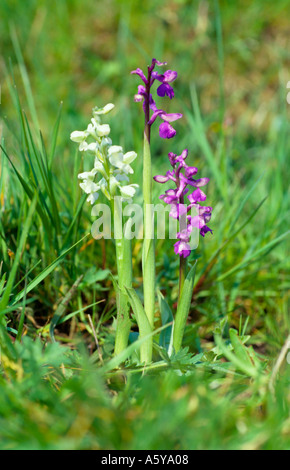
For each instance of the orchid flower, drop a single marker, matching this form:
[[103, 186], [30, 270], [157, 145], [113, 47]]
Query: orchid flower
[[176, 198], [110, 175], [110, 162], [183, 176], [166, 131]]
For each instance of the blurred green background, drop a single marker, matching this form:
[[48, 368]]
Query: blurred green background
[[232, 60], [81, 53]]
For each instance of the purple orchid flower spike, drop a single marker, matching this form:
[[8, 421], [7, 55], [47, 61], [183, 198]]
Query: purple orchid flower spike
[[183, 176], [186, 188], [166, 131]]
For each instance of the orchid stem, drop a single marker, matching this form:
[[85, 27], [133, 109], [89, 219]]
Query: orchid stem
[[124, 269], [148, 264], [149, 245], [182, 274]]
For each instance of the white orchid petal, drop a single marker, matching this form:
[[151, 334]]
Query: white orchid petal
[[99, 166], [83, 146], [103, 130], [116, 160], [106, 141], [78, 136], [127, 169], [115, 149], [128, 190], [88, 174], [129, 157], [92, 198], [121, 176], [89, 186], [105, 110], [104, 188]]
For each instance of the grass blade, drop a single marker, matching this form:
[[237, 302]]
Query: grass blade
[[46, 271], [251, 258], [5, 299]]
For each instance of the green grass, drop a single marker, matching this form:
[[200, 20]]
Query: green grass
[[226, 390]]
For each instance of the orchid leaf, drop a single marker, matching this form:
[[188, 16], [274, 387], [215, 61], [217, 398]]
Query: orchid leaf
[[183, 309]]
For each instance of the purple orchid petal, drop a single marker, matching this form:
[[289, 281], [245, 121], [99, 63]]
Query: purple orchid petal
[[152, 104], [184, 235], [189, 181], [169, 76], [166, 131], [165, 89], [138, 98], [166, 77], [193, 182], [141, 75], [180, 159], [157, 62], [156, 113], [171, 192], [197, 221], [170, 196], [174, 211], [204, 230], [205, 209], [181, 188], [200, 182], [168, 199], [190, 171], [161, 178], [177, 210], [140, 95], [142, 90], [171, 175], [182, 248], [184, 154], [206, 217], [171, 117], [172, 157], [156, 76], [197, 196]]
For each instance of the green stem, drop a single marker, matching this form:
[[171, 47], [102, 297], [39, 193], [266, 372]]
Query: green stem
[[182, 261], [182, 274], [124, 269], [149, 245]]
